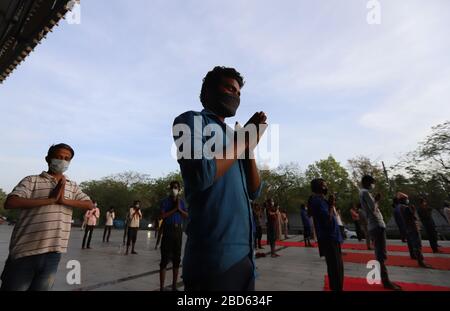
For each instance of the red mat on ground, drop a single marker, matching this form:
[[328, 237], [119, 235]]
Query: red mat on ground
[[390, 248], [438, 263], [353, 284]]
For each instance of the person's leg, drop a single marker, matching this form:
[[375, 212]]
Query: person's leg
[[91, 229], [125, 231], [331, 259], [259, 235], [45, 277], [164, 261], [128, 240], [158, 238], [340, 265], [86, 229], [109, 234], [176, 258], [409, 241], [432, 237], [417, 246], [366, 233], [379, 238], [358, 230], [18, 274], [104, 233], [133, 241]]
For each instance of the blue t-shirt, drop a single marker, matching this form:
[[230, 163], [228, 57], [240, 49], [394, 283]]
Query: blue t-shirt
[[220, 226], [167, 205], [326, 228]]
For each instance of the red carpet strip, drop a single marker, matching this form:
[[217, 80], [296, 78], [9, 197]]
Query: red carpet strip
[[354, 284]]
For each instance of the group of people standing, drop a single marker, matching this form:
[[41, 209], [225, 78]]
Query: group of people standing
[[277, 224], [369, 220]]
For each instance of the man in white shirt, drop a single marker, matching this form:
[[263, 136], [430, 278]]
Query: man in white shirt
[[110, 215], [42, 232], [135, 216], [91, 221]]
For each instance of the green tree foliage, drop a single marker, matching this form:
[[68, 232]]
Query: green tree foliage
[[425, 172], [120, 190]]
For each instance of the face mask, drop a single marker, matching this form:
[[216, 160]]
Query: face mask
[[58, 166], [175, 192], [372, 186], [225, 105]]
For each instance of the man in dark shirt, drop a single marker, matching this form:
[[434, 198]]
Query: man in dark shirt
[[426, 217], [412, 228], [306, 225], [328, 234], [221, 180], [173, 211]]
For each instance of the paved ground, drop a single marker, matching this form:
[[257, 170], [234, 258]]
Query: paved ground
[[105, 267]]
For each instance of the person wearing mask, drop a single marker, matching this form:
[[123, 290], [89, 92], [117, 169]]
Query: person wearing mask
[[328, 234], [376, 227], [91, 221], [42, 231], [426, 217], [220, 180], [173, 211], [285, 223], [279, 223], [399, 219], [272, 224], [355, 218], [306, 225], [412, 229], [134, 218], [110, 216], [258, 217]]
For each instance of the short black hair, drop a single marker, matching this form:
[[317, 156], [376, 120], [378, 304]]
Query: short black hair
[[213, 78], [53, 148], [137, 201], [173, 183], [316, 185], [367, 180]]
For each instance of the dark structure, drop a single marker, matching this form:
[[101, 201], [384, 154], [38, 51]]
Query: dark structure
[[23, 25]]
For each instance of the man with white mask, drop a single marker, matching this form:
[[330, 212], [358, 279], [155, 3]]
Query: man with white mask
[[42, 231], [376, 228], [173, 211]]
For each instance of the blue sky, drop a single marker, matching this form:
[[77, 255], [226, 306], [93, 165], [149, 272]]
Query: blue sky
[[112, 85]]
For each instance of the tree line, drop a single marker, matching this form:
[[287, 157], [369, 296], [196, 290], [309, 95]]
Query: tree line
[[423, 172]]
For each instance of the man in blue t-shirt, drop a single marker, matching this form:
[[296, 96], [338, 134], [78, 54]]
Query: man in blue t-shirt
[[328, 234], [173, 211], [220, 180]]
